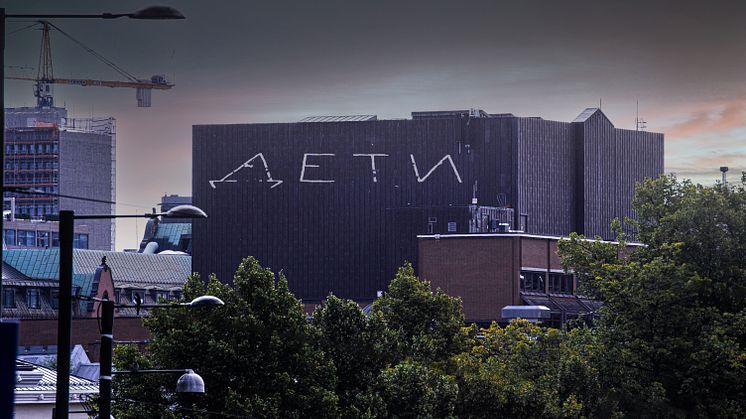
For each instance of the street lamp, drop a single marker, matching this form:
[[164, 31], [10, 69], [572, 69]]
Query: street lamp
[[64, 322], [190, 382]]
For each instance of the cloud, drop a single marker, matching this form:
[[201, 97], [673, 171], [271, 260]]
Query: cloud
[[710, 118]]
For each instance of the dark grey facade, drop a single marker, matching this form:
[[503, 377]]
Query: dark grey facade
[[331, 203]]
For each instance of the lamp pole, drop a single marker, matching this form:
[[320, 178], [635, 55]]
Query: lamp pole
[[188, 383], [105, 359], [67, 225]]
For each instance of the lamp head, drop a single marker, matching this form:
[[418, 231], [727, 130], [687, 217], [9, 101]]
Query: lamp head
[[184, 211], [190, 382], [206, 300], [156, 12]]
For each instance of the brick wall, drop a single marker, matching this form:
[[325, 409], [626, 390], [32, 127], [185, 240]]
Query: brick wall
[[85, 332]]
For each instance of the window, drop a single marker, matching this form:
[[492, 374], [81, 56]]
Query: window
[[560, 283], [26, 238], [80, 241], [54, 299], [451, 226], [42, 238], [138, 295], [55, 239], [33, 298], [532, 281], [9, 236], [158, 294], [9, 297]]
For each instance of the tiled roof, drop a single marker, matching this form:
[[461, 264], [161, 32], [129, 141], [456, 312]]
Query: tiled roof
[[36, 380], [130, 270], [138, 270], [11, 274]]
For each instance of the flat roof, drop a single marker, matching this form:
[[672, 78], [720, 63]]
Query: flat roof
[[495, 235]]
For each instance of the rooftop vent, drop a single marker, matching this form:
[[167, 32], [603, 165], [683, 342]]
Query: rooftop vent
[[340, 118]]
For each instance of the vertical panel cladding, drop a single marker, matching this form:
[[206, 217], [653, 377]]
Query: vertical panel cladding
[[599, 163], [86, 171], [613, 161], [547, 175], [335, 236], [347, 236], [640, 156]]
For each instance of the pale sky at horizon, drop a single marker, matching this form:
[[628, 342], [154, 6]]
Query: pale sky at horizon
[[242, 62]]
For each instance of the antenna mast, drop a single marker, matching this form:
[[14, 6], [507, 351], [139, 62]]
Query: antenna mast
[[640, 123]]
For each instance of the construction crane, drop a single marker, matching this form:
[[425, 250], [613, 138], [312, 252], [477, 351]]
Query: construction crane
[[45, 76]]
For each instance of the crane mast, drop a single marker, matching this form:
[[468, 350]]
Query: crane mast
[[45, 76]]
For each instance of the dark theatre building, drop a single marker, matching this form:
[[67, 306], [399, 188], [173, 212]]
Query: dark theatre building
[[336, 203]]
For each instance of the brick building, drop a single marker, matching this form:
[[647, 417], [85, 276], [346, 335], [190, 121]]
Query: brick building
[[491, 271]]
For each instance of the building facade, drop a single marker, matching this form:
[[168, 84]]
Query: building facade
[[337, 203], [64, 157], [494, 270], [31, 291]]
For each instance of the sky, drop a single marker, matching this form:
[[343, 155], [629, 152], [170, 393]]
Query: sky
[[683, 62]]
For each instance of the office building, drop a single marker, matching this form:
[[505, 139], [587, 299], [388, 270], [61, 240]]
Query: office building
[[61, 157]]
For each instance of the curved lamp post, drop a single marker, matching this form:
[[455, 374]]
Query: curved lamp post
[[64, 323], [190, 382]]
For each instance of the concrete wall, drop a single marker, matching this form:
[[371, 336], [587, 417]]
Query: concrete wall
[[86, 171]]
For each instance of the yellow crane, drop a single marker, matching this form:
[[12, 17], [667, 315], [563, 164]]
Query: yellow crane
[[45, 76]]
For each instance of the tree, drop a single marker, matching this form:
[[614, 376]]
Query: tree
[[413, 390], [257, 354], [672, 333], [357, 346], [425, 326], [526, 371]]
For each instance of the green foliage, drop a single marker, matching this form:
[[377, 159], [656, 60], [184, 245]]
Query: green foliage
[[357, 346], [424, 326], [413, 390], [256, 354], [671, 334], [142, 395], [527, 371]]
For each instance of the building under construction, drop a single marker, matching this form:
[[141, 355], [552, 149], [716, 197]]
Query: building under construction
[[51, 153], [336, 203]]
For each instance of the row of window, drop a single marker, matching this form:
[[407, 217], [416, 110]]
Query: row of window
[[27, 178], [126, 296], [45, 148], [130, 295], [32, 238], [33, 298], [37, 210], [35, 164], [556, 283]]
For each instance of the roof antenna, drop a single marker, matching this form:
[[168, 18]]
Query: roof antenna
[[600, 102], [640, 123]]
